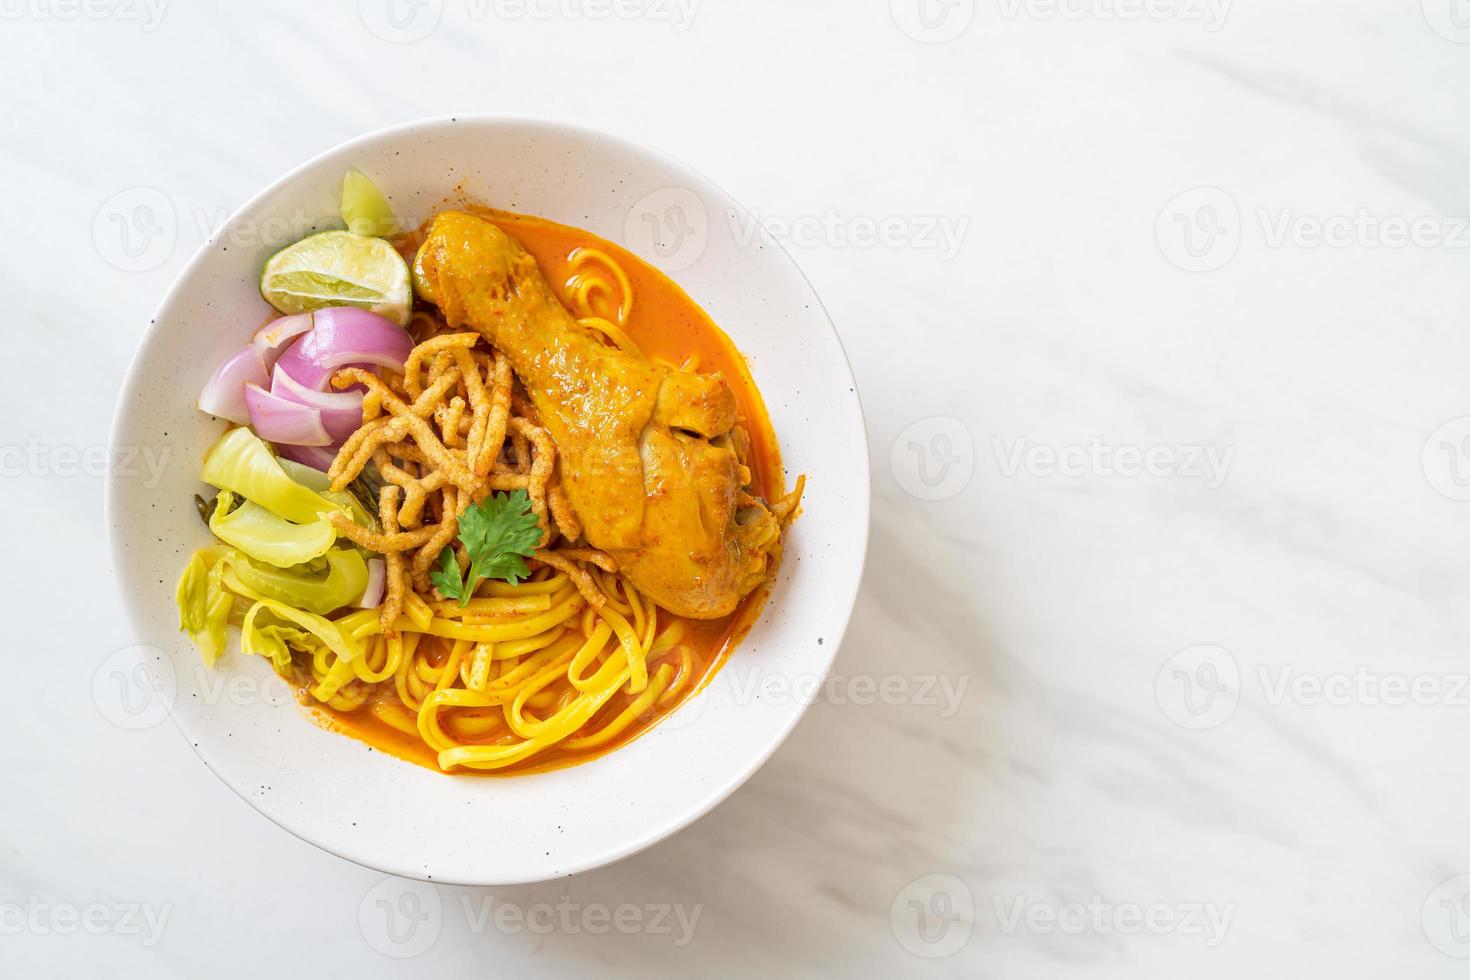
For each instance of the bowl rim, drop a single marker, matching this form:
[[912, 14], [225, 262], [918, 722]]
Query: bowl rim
[[719, 792]]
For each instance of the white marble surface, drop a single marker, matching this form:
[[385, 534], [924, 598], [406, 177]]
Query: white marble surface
[[1135, 721]]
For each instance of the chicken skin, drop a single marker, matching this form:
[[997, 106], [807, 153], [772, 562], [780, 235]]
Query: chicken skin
[[647, 454]]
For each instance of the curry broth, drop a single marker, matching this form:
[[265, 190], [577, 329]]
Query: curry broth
[[668, 325]]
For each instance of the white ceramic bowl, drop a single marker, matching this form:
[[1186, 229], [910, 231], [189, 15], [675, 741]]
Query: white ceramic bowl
[[395, 816]]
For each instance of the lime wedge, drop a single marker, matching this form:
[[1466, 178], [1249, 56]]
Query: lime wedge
[[338, 268], [364, 208]]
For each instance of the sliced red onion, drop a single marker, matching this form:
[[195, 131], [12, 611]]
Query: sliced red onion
[[372, 596], [302, 369], [224, 395], [280, 421], [270, 340], [311, 376], [345, 336], [317, 457], [341, 410]]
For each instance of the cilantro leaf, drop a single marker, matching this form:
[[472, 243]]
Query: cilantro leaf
[[447, 580], [498, 533]]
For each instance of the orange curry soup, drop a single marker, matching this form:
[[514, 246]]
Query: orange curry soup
[[669, 326]]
